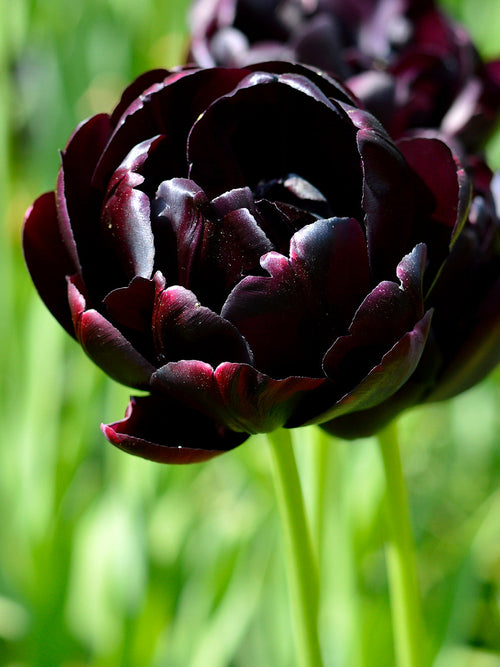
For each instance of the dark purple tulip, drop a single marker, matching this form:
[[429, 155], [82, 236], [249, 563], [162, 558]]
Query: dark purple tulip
[[251, 249], [408, 63]]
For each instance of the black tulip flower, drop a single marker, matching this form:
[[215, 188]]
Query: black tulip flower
[[408, 63], [252, 250]]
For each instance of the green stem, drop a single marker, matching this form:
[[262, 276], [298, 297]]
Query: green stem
[[405, 596], [321, 443], [302, 565]]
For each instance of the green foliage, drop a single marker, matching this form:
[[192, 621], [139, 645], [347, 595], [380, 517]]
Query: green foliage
[[107, 560]]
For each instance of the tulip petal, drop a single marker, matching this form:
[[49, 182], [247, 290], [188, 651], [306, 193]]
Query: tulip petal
[[166, 431], [126, 215], [290, 318], [78, 160], [387, 201], [106, 345], [236, 395], [143, 82], [432, 161], [478, 354], [48, 258], [156, 111], [184, 329], [383, 380], [328, 85], [132, 306], [78, 205], [224, 249], [265, 115], [384, 316]]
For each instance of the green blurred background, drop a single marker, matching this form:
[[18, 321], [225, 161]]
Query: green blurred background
[[107, 560]]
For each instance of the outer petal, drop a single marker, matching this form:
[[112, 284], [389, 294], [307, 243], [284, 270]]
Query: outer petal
[[384, 380], [48, 258], [134, 90], [156, 111], [106, 345], [79, 205], [384, 316], [478, 355], [75, 199], [165, 431], [236, 395]]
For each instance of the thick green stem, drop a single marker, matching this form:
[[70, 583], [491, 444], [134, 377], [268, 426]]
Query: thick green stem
[[405, 596], [302, 565]]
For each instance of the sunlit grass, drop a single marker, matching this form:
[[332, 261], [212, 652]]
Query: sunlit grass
[[110, 560]]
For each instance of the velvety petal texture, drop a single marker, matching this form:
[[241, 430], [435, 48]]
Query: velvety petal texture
[[251, 249]]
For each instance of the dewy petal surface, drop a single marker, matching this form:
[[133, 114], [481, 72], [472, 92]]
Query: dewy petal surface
[[126, 219], [167, 431]]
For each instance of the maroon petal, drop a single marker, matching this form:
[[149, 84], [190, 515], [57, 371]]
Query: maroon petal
[[132, 306], [290, 318], [265, 115], [223, 248], [387, 200], [156, 111], [106, 345], [78, 161], [78, 204], [433, 162], [386, 314], [479, 353], [48, 258], [126, 216], [384, 379], [184, 329], [134, 90], [232, 200], [165, 431], [328, 85], [235, 395]]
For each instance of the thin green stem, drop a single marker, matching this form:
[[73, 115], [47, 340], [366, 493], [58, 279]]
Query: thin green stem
[[403, 582], [321, 446], [302, 565]]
